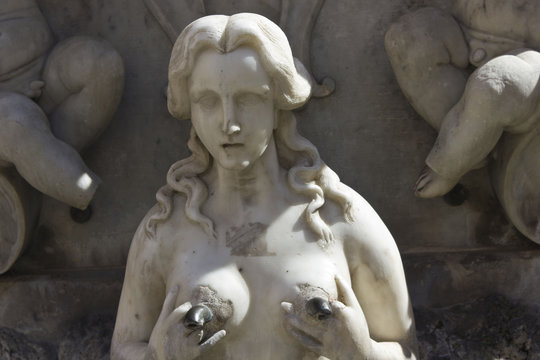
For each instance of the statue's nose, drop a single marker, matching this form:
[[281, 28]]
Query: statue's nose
[[232, 129], [230, 124]]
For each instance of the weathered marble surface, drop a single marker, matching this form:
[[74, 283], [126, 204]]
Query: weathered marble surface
[[490, 112], [54, 102]]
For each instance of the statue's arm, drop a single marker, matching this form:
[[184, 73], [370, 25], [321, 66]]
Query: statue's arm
[[378, 281], [141, 301], [149, 324]]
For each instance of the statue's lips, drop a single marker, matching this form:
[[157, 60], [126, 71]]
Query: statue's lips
[[232, 145]]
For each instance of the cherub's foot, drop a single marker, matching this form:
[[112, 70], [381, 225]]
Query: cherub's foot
[[430, 184]]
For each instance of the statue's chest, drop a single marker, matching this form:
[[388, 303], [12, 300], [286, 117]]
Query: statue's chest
[[282, 255], [254, 268]]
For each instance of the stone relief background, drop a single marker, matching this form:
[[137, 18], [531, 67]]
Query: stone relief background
[[365, 131]]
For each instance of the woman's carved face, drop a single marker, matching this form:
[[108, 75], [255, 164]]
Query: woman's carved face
[[232, 106]]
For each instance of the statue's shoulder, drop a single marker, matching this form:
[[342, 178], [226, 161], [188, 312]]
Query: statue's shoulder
[[358, 209], [364, 230], [157, 231]]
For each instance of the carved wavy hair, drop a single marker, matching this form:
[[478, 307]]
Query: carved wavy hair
[[307, 173]]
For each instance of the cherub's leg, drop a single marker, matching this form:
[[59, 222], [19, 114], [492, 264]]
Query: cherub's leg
[[84, 78], [429, 55], [502, 95], [48, 164]]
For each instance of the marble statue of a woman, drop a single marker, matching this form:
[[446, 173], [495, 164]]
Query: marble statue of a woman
[[255, 249]]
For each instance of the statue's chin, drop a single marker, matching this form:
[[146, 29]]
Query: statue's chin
[[235, 164]]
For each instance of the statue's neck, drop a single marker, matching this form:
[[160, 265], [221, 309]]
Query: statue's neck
[[237, 192]]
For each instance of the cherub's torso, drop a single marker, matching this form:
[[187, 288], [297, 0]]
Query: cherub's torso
[[498, 26], [25, 39]]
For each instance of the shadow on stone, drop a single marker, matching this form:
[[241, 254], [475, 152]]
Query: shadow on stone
[[89, 338], [488, 328], [17, 346]]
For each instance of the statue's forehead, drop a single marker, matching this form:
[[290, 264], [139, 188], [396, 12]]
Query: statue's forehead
[[243, 56], [241, 67]]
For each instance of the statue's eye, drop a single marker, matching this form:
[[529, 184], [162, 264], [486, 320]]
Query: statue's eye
[[208, 101], [249, 99]]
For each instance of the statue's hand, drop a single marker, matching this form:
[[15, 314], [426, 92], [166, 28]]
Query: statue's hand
[[171, 340], [342, 335]]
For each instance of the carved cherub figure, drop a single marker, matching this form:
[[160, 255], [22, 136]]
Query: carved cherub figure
[[53, 103], [432, 52], [255, 249]]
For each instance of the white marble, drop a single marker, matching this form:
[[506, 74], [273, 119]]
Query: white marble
[[254, 225]]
